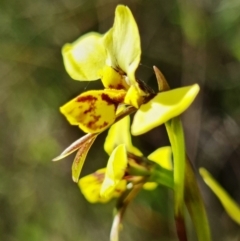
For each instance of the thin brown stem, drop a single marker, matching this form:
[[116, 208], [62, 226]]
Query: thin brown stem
[[121, 208]]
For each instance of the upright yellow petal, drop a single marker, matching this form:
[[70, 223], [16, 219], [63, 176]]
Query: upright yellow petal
[[163, 157], [95, 110], [123, 43], [163, 107], [115, 171], [119, 133], [84, 58]]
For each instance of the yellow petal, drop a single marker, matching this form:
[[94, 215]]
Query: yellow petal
[[231, 207], [119, 133], [85, 57], [162, 156], [90, 186], [150, 186], [115, 171], [163, 107], [93, 111], [123, 43], [112, 79], [133, 97]]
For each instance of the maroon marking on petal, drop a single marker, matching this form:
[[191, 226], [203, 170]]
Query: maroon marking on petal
[[118, 87], [93, 124], [99, 176], [105, 123], [118, 191], [90, 109], [89, 98], [107, 99]]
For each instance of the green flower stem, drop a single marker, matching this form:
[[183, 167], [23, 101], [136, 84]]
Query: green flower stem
[[195, 206], [192, 196], [133, 171], [176, 137], [162, 176]]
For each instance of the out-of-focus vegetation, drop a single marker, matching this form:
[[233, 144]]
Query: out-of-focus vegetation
[[190, 41]]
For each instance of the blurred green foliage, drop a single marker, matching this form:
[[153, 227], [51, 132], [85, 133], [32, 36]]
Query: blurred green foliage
[[190, 41]]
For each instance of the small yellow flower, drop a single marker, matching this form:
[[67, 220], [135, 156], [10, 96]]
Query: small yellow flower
[[90, 186], [110, 182]]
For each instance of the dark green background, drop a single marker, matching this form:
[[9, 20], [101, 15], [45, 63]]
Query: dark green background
[[190, 41]]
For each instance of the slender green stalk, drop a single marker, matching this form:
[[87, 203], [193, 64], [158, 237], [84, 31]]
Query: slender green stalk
[[176, 137], [195, 205]]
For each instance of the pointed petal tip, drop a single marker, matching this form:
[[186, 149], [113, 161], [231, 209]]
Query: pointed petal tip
[[74, 179], [58, 158]]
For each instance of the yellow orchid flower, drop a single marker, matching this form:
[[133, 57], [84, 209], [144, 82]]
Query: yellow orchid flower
[[118, 144], [110, 182], [113, 57], [90, 187]]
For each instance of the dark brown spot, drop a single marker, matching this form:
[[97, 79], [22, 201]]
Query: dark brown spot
[[88, 98], [90, 109], [118, 190], [92, 123], [105, 123], [113, 101], [118, 87], [107, 99]]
